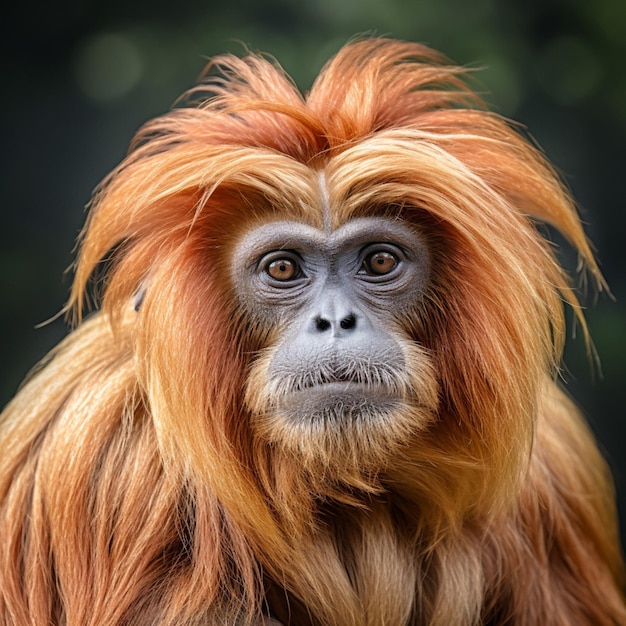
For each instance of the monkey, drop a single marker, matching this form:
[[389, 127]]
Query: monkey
[[313, 375]]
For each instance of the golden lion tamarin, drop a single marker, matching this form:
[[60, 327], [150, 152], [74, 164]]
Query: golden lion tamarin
[[320, 385]]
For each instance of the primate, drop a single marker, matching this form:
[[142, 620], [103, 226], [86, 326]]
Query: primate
[[316, 381]]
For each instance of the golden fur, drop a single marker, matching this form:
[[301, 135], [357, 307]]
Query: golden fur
[[138, 487]]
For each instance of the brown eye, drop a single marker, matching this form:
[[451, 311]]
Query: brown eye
[[282, 269], [380, 263]]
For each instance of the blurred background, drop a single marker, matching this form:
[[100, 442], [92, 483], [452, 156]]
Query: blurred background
[[78, 78]]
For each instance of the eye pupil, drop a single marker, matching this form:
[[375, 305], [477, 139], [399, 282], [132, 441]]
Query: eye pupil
[[282, 269]]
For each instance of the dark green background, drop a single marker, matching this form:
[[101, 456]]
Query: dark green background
[[79, 78]]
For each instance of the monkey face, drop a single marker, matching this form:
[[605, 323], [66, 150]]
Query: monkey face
[[342, 372]]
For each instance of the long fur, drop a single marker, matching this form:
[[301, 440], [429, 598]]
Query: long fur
[[133, 489]]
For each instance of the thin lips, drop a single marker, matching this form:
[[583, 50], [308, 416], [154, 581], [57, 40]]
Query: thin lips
[[329, 379], [352, 393], [351, 377]]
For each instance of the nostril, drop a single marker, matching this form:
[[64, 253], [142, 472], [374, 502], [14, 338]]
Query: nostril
[[348, 322], [322, 324]]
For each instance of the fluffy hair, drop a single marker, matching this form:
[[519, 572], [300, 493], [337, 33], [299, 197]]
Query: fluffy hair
[[133, 488]]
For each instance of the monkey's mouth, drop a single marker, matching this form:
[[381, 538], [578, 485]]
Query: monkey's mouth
[[347, 390], [339, 397], [353, 378], [339, 388], [338, 401], [331, 380]]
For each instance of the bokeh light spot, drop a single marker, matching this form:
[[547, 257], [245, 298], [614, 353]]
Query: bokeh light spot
[[568, 70], [108, 66]]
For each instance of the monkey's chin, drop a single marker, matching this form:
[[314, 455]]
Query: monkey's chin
[[341, 432], [338, 402]]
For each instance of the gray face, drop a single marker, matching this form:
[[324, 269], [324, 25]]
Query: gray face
[[334, 300]]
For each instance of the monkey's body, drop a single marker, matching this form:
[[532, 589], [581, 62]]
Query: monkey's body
[[557, 536], [333, 403]]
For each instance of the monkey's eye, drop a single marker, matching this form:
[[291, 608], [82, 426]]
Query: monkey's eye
[[282, 268], [379, 263]]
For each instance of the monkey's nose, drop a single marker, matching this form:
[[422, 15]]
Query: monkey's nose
[[323, 324]]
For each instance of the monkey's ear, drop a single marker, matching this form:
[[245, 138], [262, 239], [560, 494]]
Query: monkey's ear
[[140, 294], [139, 298]]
